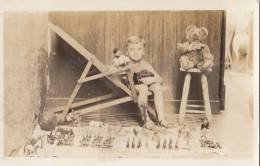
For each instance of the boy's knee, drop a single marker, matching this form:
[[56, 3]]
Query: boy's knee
[[156, 88]]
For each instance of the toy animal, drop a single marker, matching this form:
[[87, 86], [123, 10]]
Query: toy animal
[[195, 53], [33, 144], [64, 136]]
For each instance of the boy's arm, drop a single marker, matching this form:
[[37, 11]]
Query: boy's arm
[[157, 78]]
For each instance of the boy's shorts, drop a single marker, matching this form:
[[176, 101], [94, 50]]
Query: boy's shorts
[[150, 87]]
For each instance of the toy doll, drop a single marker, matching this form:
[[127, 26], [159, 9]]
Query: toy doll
[[120, 60]]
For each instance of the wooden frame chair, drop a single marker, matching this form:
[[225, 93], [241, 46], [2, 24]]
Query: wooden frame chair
[[105, 72]]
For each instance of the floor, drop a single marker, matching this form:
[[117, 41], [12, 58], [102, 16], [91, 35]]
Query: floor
[[233, 127]]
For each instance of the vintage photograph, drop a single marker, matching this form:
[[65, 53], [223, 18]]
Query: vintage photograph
[[129, 84]]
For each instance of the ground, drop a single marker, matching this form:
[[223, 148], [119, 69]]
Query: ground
[[233, 127]]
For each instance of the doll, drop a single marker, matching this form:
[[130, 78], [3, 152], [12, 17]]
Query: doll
[[120, 60]]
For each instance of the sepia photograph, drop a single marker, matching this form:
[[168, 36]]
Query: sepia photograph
[[134, 84]]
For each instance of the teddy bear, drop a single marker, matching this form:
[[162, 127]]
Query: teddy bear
[[195, 53]]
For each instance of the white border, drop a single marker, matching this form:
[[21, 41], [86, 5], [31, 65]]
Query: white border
[[117, 5]]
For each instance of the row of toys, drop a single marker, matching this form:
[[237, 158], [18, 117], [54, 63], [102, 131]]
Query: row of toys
[[97, 142], [182, 137], [100, 135]]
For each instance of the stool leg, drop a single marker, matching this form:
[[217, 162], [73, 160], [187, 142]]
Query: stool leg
[[206, 96], [185, 92]]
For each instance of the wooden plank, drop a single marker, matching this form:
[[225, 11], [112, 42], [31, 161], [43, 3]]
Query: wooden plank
[[104, 105], [107, 73], [169, 36], [214, 42], [126, 27], [152, 111], [111, 35], [169, 52], [183, 21], [141, 25], [82, 103], [132, 86], [75, 91], [96, 99], [196, 106], [195, 111], [120, 85], [222, 62], [155, 37]]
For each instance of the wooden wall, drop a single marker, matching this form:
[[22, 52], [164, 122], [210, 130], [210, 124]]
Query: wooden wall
[[100, 32]]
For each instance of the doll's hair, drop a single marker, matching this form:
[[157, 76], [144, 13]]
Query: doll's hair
[[134, 39], [115, 50]]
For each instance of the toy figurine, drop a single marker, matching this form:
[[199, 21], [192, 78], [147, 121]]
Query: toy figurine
[[51, 138], [146, 144], [133, 143], [158, 146], [170, 144], [65, 136], [204, 128], [205, 124], [177, 144], [139, 144], [187, 136], [165, 144], [85, 141], [120, 60], [127, 143]]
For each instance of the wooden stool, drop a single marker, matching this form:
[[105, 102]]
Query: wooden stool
[[185, 93]]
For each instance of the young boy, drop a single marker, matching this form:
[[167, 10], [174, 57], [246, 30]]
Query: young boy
[[135, 49]]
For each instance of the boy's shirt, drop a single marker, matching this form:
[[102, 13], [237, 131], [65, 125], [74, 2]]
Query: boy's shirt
[[143, 65]]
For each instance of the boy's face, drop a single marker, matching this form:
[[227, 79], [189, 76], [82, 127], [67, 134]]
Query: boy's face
[[118, 53], [136, 51]]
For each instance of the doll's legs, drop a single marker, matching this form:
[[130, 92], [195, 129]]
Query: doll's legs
[[158, 101], [205, 65], [186, 63]]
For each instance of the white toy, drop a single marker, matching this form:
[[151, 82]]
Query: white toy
[[120, 60]]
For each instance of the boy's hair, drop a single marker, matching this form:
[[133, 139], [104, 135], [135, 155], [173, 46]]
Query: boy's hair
[[134, 39]]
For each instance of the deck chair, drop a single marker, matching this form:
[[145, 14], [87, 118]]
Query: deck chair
[[106, 73]]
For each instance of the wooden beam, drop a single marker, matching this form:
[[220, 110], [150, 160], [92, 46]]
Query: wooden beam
[[132, 86], [196, 106], [103, 74], [195, 111], [82, 103], [104, 105], [152, 111], [75, 91], [120, 85], [93, 100]]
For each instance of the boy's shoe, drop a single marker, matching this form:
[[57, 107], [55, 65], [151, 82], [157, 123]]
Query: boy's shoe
[[149, 125], [163, 123]]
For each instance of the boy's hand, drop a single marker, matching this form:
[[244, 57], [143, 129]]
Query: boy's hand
[[147, 80]]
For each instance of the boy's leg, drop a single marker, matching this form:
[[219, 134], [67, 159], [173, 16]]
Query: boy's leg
[[158, 101], [142, 98]]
